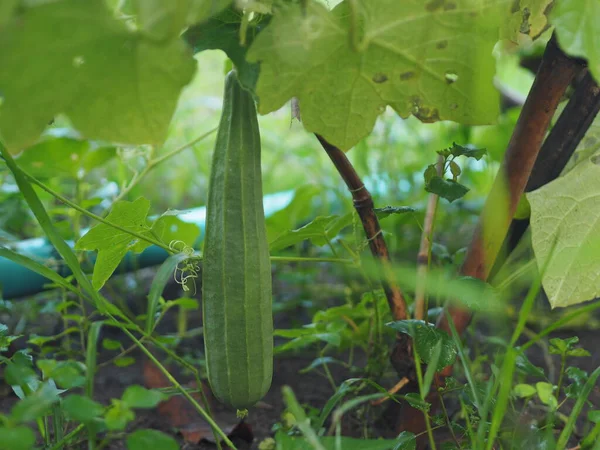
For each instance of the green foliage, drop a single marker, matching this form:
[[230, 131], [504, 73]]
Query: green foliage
[[132, 102], [81, 409], [565, 235], [576, 22], [384, 62], [139, 397]]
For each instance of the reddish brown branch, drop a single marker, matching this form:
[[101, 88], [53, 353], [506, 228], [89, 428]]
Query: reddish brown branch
[[363, 203], [554, 76]]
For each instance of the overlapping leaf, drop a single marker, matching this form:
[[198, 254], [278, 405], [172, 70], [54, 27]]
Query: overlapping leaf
[[565, 226], [432, 59], [576, 23]]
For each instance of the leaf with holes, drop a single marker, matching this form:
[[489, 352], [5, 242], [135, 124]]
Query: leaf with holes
[[567, 212], [377, 54], [529, 19], [113, 83]]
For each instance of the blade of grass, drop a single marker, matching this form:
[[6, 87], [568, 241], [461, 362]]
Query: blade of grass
[[91, 357], [163, 275], [576, 411], [431, 369], [302, 422]]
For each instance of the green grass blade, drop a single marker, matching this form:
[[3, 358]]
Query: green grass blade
[[91, 357], [302, 422], [162, 277], [576, 411]]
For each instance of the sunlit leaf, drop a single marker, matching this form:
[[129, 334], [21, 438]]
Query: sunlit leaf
[[565, 227], [394, 58]]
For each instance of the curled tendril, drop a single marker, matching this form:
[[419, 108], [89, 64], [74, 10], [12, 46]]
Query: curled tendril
[[188, 269]]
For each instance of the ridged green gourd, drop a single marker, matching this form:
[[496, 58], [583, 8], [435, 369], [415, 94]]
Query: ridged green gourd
[[236, 274]]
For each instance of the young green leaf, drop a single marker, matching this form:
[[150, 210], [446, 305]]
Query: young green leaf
[[524, 390], [124, 361], [545, 392], [455, 170], [150, 439], [133, 102], [139, 397], [118, 415], [468, 151], [448, 189], [429, 173], [111, 344]]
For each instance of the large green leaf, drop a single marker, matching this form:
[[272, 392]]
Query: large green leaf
[[432, 59], [74, 57], [567, 211], [576, 23]]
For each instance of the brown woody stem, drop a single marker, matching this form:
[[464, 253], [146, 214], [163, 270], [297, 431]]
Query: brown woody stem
[[553, 78], [363, 203]]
